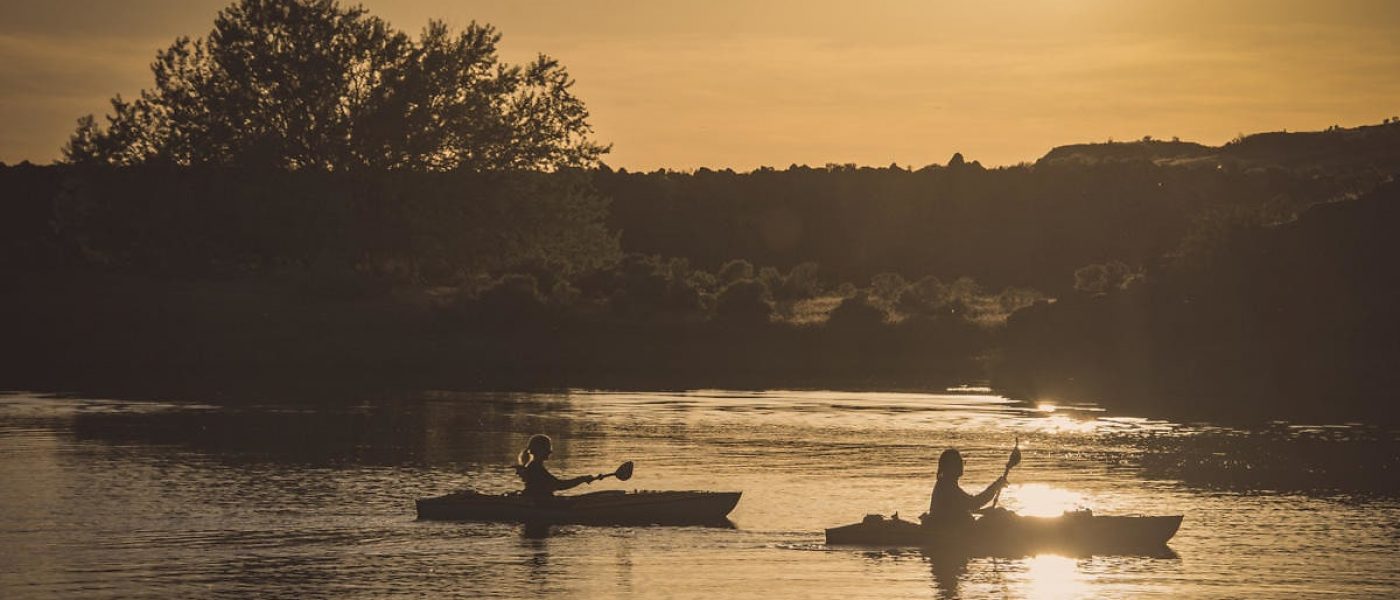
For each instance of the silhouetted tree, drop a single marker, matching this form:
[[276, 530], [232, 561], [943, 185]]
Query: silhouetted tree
[[922, 297], [1102, 278], [857, 313], [514, 298], [801, 282], [312, 84], [647, 286], [735, 270], [885, 288], [745, 301]]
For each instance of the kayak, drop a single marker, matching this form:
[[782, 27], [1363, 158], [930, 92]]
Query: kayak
[[1004, 532], [613, 507]]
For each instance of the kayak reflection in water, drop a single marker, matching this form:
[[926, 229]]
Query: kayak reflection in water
[[539, 482], [950, 504]]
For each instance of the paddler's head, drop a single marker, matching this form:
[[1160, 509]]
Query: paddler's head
[[950, 464], [539, 448]]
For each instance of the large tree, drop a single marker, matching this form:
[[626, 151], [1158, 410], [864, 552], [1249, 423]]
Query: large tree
[[310, 84]]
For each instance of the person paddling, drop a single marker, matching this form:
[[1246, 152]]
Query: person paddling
[[950, 504], [539, 482]]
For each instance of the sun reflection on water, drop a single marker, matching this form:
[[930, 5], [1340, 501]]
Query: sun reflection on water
[[1040, 500], [1052, 576]]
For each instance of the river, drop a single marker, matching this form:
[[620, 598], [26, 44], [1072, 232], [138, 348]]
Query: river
[[289, 497]]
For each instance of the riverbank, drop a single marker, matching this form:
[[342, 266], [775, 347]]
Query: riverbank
[[104, 333]]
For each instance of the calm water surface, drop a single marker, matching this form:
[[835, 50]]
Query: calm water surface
[[194, 498]]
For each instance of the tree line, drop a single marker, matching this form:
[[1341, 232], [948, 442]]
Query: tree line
[[1025, 225]]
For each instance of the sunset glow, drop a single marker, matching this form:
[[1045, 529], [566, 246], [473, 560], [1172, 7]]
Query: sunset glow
[[743, 84]]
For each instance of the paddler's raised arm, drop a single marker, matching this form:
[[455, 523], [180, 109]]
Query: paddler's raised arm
[[564, 484], [988, 494]]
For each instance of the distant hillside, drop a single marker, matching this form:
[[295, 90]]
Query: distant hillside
[[1156, 151], [1359, 148]]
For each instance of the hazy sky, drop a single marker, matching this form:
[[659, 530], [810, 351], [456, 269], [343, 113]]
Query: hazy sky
[[740, 84]]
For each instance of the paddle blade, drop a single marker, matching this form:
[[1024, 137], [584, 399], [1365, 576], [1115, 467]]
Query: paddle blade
[[1015, 456], [624, 472]]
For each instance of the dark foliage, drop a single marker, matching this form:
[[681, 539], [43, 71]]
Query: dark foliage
[[1183, 283], [310, 84], [857, 313], [744, 301], [221, 222], [1295, 319], [1026, 226]]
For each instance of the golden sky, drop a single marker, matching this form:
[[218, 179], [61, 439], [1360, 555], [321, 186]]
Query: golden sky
[[741, 84]]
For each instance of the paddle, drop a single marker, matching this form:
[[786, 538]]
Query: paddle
[[1010, 462], [623, 472]]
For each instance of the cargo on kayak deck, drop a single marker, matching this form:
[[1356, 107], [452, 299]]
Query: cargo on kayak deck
[[613, 507]]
